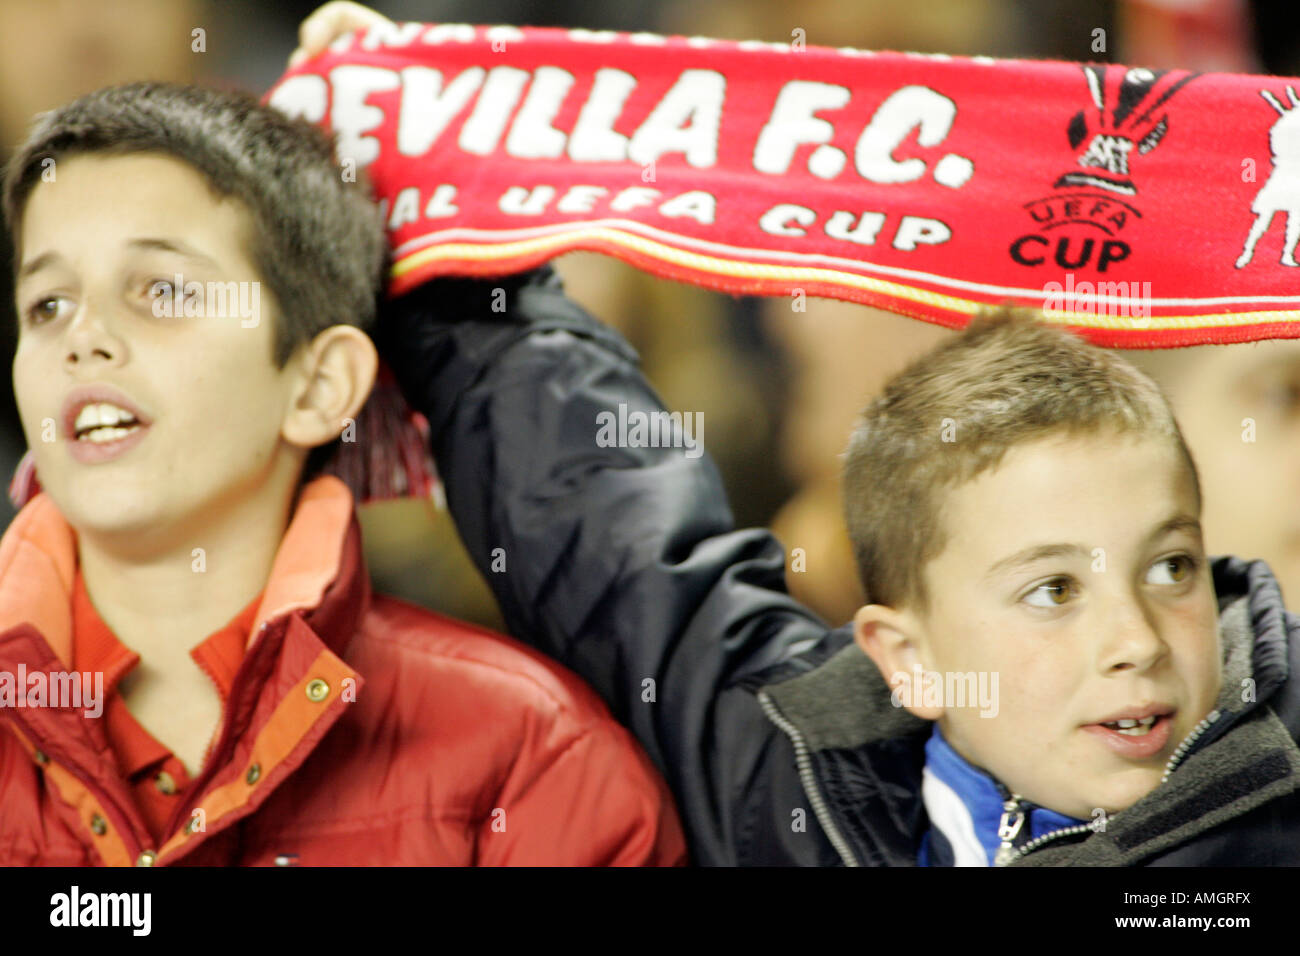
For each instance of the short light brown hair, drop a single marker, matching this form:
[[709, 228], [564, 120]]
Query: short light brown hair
[[1007, 380]]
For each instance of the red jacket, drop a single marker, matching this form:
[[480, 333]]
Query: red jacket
[[359, 730]]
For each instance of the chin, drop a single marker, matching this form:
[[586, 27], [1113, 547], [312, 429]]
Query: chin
[[1109, 792], [101, 511], [1128, 791], [100, 522]]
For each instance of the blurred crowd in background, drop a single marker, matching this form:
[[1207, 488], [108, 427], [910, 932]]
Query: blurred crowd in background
[[779, 389]]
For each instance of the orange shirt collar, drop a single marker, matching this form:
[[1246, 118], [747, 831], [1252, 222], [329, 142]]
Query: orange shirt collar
[[38, 563], [96, 648]]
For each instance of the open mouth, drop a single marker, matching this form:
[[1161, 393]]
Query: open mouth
[[102, 423], [1137, 738], [1133, 728]]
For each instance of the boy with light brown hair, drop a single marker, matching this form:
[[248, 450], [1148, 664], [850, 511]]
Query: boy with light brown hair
[[1049, 669]]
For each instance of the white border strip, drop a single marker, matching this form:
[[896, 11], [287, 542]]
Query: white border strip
[[496, 236]]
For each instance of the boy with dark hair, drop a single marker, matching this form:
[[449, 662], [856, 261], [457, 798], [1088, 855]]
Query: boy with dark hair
[[193, 280], [1051, 669]]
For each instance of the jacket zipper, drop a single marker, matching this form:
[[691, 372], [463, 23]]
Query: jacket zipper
[[1013, 813], [1013, 818], [1186, 745], [1007, 852], [803, 760]]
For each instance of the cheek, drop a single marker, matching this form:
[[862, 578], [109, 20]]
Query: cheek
[[1196, 615], [974, 636], [1038, 676], [248, 415], [1034, 672], [1205, 659], [33, 394], [237, 387], [1037, 690]]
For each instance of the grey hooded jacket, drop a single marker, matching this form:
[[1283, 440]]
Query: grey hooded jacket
[[776, 734]]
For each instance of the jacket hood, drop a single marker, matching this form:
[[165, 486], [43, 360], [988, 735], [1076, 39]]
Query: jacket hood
[[845, 705]]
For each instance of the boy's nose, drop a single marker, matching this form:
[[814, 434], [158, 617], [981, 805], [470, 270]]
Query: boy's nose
[[77, 355], [89, 341], [1133, 643]]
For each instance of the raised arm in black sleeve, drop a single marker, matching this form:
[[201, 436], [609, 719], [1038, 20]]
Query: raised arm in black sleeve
[[622, 563]]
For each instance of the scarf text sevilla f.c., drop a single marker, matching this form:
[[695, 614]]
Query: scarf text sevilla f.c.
[[1144, 208]]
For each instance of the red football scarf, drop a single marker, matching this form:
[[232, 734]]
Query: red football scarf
[[1142, 208]]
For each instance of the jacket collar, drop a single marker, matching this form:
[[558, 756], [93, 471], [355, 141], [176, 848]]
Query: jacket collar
[[965, 805], [320, 568], [38, 565], [841, 715], [291, 687]]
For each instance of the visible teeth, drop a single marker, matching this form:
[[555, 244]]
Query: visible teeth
[[104, 434], [101, 413], [1133, 728]]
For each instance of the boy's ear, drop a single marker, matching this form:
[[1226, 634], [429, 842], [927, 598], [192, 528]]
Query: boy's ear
[[893, 639], [335, 374]]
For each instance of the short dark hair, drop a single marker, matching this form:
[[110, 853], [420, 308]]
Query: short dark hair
[[1007, 380], [318, 240]]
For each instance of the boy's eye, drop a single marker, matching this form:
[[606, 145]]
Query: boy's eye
[[169, 298], [1185, 563], [46, 309], [1053, 593]]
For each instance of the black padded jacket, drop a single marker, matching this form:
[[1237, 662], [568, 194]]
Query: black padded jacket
[[776, 734]]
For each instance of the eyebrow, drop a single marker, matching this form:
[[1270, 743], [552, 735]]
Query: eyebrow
[[147, 244], [172, 245], [1038, 552], [37, 264]]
